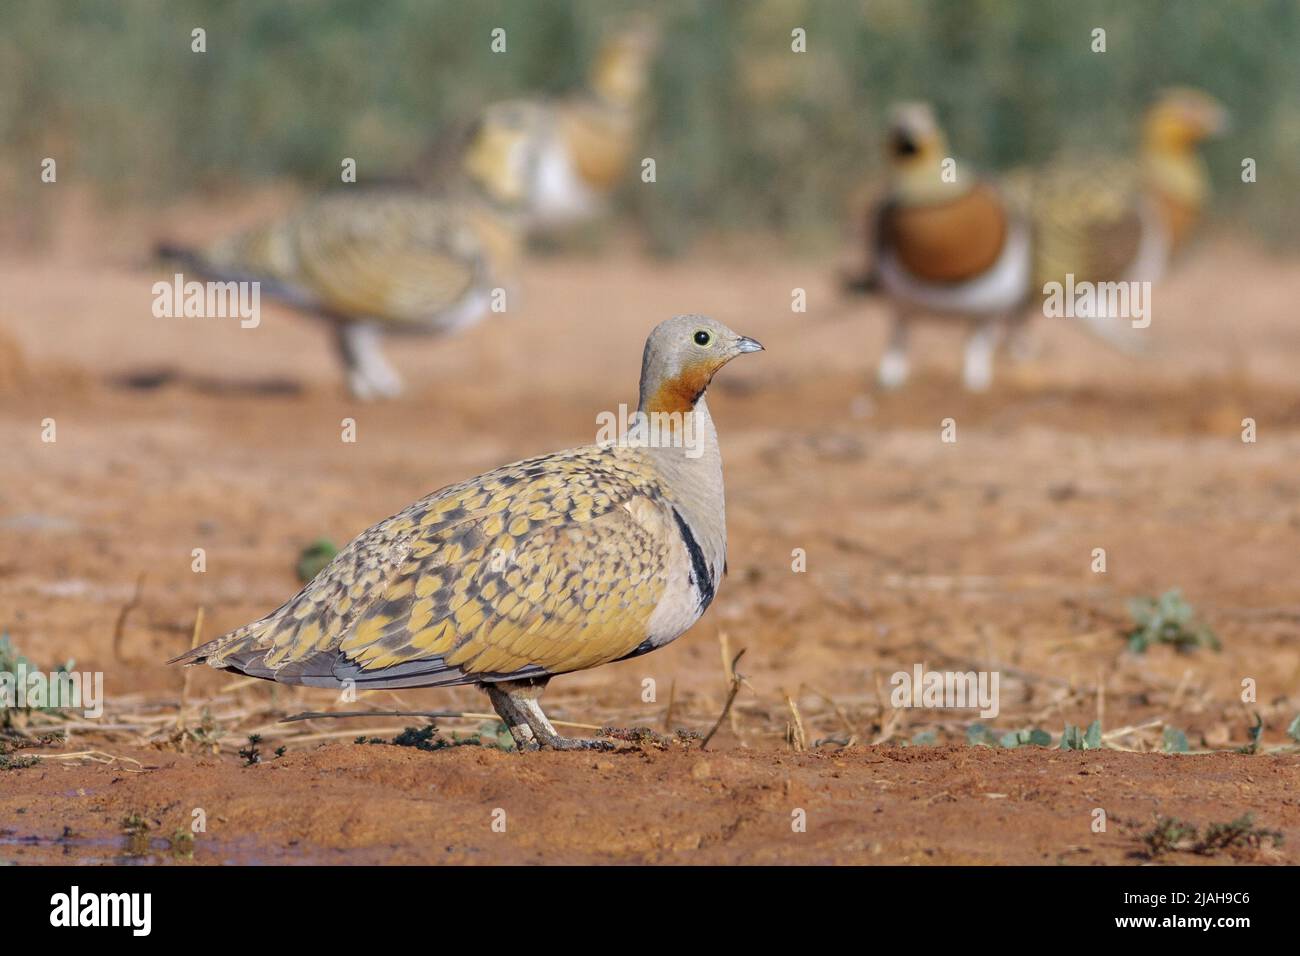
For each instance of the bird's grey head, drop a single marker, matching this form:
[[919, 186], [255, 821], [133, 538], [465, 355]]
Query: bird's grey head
[[681, 356]]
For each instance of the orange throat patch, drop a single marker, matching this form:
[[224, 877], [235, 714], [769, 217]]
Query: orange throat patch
[[681, 392]]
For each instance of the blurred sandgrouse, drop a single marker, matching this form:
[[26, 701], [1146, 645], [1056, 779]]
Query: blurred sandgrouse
[[391, 258], [581, 144], [944, 241], [550, 565], [1105, 219]]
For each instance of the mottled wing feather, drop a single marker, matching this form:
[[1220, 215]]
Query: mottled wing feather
[[568, 595], [1087, 221], [549, 565], [397, 258], [387, 255]]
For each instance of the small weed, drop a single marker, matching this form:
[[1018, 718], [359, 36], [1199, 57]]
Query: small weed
[[136, 828], [1167, 619], [1254, 734], [1178, 836], [1168, 835], [12, 662], [1241, 832], [978, 735], [1173, 741], [252, 753], [314, 557], [1026, 738], [1073, 738], [422, 738], [182, 843], [16, 740]]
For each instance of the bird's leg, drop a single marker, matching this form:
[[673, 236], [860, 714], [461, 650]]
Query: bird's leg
[[893, 364], [1020, 343], [549, 738], [522, 695], [513, 717], [369, 374], [977, 369]]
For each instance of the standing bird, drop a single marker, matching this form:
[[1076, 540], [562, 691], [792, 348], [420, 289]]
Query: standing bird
[[550, 565], [583, 143], [1103, 219], [944, 241], [372, 260]]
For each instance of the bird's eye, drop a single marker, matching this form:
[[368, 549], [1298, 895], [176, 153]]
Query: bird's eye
[[703, 338]]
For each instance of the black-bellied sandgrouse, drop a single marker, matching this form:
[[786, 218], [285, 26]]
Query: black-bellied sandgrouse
[[550, 565], [391, 259], [944, 241], [1106, 219]]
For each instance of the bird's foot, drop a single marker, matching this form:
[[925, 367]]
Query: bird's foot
[[640, 736], [893, 370], [577, 743], [370, 384], [370, 376]]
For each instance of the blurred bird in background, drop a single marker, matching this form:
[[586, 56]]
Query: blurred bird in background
[[1110, 219], [942, 241], [389, 259], [586, 141], [400, 258], [581, 145]]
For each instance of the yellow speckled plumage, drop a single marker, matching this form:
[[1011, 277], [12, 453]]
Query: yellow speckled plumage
[[549, 565], [1106, 218], [390, 256], [374, 259]]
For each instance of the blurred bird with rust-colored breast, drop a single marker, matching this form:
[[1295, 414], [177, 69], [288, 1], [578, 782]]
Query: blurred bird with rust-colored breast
[[944, 241], [550, 565]]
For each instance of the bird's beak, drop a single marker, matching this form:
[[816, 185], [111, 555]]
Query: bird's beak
[[746, 344]]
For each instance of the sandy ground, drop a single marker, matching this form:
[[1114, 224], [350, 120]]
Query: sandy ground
[[967, 555]]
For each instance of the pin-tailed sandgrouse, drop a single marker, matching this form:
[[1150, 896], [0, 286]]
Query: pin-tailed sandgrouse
[[1109, 219], [580, 145], [550, 565], [944, 241]]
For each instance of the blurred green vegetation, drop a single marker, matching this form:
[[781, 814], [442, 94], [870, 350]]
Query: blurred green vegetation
[[747, 135]]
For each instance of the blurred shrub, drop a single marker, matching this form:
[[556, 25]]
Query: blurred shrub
[[747, 134]]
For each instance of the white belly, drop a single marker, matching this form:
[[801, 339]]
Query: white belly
[[560, 197]]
